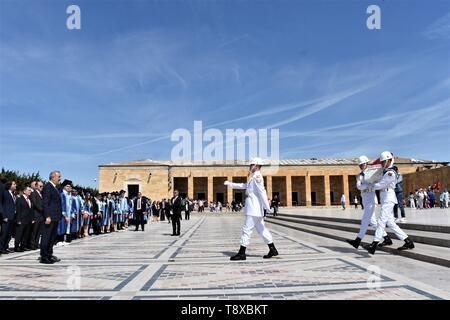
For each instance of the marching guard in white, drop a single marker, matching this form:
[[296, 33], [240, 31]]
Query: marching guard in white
[[388, 200], [255, 204], [369, 199]]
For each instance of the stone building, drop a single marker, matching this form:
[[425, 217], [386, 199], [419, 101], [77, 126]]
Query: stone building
[[299, 182]]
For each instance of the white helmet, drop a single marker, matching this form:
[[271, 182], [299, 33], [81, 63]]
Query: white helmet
[[257, 161], [362, 160], [386, 155]]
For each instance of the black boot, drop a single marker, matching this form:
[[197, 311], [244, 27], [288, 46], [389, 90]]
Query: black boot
[[371, 248], [407, 245], [387, 242], [240, 255], [272, 251], [355, 243]]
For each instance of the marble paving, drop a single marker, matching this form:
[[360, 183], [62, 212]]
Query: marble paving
[[155, 265]]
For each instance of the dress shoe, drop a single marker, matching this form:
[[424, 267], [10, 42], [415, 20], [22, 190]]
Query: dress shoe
[[55, 259], [355, 243], [46, 261], [407, 245], [18, 250], [387, 242], [10, 250], [173, 234], [240, 255], [27, 249], [272, 252]]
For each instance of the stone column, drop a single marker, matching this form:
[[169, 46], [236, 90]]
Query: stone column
[[230, 191], [345, 188], [326, 179], [308, 189], [210, 189], [191, 186], [269, 187], [289, 190]]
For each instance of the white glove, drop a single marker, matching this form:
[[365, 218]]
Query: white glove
[[226, 183]]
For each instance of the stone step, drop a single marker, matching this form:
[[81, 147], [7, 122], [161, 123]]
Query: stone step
[[423, 252], [406, 226], [426, 237]]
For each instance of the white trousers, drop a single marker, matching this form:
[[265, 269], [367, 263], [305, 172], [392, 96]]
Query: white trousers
[[387, 218], [368, 216], [252, 222]]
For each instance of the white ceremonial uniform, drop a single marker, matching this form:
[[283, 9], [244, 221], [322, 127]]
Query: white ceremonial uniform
[[255, 203], [369, 199], [388, 200]]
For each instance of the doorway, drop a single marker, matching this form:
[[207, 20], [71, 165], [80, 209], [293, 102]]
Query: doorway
[[133, 190]]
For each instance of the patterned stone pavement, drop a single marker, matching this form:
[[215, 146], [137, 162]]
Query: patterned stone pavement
[[155, 265]]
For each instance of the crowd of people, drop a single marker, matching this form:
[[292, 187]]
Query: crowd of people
[[426, 198], [39, 216]]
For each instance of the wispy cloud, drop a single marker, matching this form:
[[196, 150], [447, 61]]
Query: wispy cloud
[[440, 29]]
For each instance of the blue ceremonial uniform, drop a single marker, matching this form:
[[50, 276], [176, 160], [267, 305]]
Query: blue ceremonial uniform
[[75, 215], [66, 205], [123, 209], [87, 208]]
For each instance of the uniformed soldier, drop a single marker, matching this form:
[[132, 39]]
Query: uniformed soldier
[[255, 204], [388, 199], [369, 199]]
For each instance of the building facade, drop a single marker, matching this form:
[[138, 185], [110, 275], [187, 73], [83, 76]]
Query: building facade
[[300, 182]]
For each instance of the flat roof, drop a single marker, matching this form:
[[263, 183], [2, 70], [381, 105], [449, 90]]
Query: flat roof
[[284, 162]]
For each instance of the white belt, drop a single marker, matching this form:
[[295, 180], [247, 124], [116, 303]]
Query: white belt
[[367, 190]]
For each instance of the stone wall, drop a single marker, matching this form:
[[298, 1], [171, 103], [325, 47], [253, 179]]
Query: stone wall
[[425, 178]]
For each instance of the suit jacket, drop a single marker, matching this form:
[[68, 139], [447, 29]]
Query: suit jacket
[[9, 206], [143, 204], [2, 188], [36, 200], [51, 201], [24, 212], [176, 206]]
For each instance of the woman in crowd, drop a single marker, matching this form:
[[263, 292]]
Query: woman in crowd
[[87, 214]]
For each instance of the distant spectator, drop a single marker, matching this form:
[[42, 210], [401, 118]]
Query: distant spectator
[[411, 200], [431, 198], [343, 201]]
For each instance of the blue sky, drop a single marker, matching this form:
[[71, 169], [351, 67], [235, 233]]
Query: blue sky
[[137, 70]]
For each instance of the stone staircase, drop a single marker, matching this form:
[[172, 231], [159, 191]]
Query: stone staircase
[[432, 241]]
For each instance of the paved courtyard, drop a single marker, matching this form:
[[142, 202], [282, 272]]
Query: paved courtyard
[[155, 265]]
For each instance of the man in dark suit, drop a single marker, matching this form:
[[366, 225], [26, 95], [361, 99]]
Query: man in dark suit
[[24, 218], [167, 213], [2, 189], [36, 228], [140, 206], [177, 207], [51, 214], [9, 214]]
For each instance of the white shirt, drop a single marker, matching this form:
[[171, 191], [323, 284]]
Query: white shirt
[[256, 200], [138, 204]]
